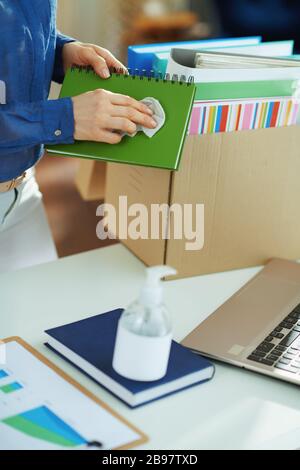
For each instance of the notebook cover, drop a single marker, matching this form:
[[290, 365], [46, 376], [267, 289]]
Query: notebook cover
[[164, 150], [117, 396], [100, 331]]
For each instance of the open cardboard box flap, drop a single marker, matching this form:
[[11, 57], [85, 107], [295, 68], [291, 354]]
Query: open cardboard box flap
[[249, 184]]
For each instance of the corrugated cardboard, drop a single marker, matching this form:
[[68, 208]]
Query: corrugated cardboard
[[91, 180], [144, 186], [249, 184]]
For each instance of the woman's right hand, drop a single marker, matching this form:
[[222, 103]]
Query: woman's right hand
[[98, 113]]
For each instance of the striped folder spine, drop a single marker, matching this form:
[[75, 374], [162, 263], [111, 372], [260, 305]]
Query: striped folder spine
[[230, 116]]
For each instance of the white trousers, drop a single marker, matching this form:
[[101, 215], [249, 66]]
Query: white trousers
[[25, 236]]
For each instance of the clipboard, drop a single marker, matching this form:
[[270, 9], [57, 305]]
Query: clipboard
[[141, 437]]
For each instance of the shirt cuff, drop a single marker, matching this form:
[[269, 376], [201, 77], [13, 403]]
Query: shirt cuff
[[58, 71], [58, 121]]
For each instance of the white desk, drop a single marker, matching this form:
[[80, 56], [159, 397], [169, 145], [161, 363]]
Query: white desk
[[237, 410]]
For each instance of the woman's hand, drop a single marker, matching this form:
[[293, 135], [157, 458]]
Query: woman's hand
[[101, 116], [99, 113], [77, 53]]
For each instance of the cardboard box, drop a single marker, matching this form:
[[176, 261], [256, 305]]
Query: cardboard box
[[91, 180], [249, 184]]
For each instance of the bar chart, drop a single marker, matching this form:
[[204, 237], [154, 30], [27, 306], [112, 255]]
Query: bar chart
[[11, 388], [43, 424]]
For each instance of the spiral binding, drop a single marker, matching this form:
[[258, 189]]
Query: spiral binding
[[137, 74]]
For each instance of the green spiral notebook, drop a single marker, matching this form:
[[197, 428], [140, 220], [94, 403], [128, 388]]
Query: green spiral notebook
[[161, 151]]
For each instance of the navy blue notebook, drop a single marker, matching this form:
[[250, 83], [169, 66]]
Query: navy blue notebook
[[89, 345]]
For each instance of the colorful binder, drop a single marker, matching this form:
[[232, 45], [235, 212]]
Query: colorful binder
[[239, 115], [246, 90], [208, 67], [233, 106], [161, 151], [270, 49], [142, 56]]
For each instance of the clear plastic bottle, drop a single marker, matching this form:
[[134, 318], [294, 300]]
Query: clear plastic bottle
[[144, 334]]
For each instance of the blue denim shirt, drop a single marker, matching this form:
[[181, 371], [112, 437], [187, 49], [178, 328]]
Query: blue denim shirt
[[30, 57]]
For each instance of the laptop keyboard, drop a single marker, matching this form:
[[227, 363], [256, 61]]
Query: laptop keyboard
[[281, 348]]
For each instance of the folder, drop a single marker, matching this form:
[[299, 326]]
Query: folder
[[269, 49], [141, 57], [225, 67]]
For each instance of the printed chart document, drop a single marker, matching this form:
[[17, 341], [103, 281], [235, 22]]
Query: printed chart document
[[42, 409]]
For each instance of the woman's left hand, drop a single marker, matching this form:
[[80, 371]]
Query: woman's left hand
[[77, 53]]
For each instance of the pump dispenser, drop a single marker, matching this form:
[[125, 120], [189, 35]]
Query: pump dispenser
[[144, 334]]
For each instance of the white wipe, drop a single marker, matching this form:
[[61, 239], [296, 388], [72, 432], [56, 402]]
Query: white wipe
[[159, 116]]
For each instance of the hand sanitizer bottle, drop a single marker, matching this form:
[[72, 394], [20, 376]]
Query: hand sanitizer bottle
[[144, 335]]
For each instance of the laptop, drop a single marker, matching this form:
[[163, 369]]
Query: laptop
[[259, 327]]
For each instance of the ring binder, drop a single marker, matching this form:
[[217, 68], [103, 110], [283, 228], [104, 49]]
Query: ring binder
[[133, 74]]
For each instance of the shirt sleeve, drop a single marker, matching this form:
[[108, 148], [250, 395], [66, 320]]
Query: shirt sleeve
[[25, 125], [58, 72]]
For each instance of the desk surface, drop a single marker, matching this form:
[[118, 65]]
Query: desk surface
[[236, 410]]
